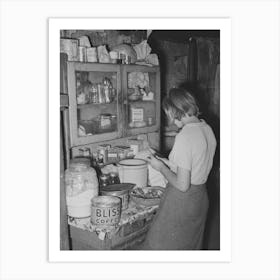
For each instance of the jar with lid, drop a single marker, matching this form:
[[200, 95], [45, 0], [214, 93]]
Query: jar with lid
[[80, 177]]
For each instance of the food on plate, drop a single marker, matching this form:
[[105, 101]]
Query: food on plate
[[147, 193]]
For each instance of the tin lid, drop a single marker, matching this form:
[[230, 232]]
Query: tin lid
[[105, 200], [118, 187]]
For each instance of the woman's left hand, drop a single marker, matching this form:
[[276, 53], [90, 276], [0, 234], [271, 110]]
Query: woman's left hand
[[155, 163]]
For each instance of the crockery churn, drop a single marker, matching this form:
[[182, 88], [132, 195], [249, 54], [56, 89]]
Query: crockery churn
[[133, 171]]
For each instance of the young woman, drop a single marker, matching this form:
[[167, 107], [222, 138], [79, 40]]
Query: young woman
[[180, 221]]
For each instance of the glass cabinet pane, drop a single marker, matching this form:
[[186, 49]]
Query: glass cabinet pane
[[141, 99], [97, 102]]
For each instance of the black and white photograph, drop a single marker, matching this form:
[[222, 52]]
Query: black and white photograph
[[139, 139], [140, 134]]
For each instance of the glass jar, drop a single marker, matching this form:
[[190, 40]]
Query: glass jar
[[104, 180], [105, 121], [114, 178], [80, 177]]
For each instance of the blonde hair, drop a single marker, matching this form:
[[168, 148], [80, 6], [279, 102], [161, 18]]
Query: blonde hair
[[180, 102]]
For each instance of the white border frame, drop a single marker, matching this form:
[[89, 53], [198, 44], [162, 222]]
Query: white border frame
[[224, 254]]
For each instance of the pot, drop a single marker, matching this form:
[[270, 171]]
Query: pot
[[120, 190], [133, 171]]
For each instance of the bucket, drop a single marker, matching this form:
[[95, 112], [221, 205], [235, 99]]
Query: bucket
[[120, 190], [105, 210], [133, 171]]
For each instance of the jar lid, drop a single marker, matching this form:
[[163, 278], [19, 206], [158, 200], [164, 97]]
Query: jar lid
[[80, 161], [84, 160], [113, 174], [104, 176]]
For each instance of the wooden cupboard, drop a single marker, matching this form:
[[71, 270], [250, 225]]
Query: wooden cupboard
[[128, 110]]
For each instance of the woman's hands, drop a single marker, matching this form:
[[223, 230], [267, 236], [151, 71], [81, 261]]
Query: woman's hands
[[180, 180], [155, 163]]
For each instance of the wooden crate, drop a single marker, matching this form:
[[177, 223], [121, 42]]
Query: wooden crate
[[128, 236]]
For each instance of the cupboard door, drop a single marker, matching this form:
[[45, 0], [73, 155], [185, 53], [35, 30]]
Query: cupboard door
[[95, 98], [141, 89]]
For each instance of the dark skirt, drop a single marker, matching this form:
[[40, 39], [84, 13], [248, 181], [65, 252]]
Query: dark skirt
[[180, 220]]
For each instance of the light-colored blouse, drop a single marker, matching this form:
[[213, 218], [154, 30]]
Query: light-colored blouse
[[194, 150]]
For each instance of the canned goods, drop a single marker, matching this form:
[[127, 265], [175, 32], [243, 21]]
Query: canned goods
[[105, 210], [116, 190]]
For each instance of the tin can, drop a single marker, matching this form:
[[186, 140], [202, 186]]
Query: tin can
[[105, 210], [115, 190]]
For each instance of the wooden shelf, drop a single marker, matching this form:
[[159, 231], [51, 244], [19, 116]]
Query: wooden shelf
[[89, 105], [141, 101]]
